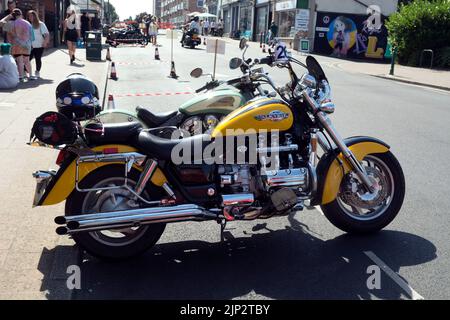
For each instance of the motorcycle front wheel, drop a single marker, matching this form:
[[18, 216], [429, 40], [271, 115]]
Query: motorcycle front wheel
[[357, 211], [112, 244]]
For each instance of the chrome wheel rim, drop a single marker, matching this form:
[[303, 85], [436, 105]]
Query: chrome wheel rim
[[356, 206], [112, 200]]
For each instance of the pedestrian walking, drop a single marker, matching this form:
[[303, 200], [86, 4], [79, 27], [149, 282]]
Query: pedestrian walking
[[9, 74], [153, 32], [72, 32], [220, 28], [273, 30], [41, 40], [147, 22], [96, 22], [20, 35], [11, 6], [212, 27], [206, 27], [84, 26]]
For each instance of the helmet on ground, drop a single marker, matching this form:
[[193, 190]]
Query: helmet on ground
[[77, 98]]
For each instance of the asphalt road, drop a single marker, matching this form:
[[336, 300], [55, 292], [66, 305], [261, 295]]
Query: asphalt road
[[301, 256]]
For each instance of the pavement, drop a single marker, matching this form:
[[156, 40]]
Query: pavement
[[301, 256], [32, 256]]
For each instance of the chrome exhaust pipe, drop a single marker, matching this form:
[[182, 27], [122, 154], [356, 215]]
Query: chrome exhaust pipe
[[133, 218], [61, 220]]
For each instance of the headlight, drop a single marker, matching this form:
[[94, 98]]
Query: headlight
[[327, 106], [85, 100], [67, 100]]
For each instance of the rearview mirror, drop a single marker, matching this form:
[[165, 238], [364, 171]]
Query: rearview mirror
[[235, 63], [243, 43], [197, 73]]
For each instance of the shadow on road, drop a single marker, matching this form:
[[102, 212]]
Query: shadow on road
[[280, 264]]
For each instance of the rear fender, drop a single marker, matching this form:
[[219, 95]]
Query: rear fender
[[330, 171], [63, 184]]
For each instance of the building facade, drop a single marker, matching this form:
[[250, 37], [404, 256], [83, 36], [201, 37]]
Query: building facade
[[313, 22], [176, 11], [157, 8], [53, 12]]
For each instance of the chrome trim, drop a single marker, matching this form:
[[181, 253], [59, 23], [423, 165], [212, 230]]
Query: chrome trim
[[278, 149], [308, 81], [129, 159], [133, 218], [43, 179], [287, 178], [226, 179], [149, 169], [243, 199]]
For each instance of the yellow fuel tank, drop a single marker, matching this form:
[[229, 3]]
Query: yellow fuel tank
[[264, 114]]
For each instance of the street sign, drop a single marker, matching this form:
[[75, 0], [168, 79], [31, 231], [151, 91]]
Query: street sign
[[215, 46], [171, 34], [304, 45], [302, 20]]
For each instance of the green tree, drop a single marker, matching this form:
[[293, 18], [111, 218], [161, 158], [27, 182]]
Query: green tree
[[419, 25], [111, 13]]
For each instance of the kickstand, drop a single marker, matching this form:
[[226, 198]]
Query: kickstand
[[223, 224]]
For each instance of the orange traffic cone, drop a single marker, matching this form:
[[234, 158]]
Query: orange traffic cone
[[157, 54], [113, 71], [111, 105], [173, 74], [108, 55]]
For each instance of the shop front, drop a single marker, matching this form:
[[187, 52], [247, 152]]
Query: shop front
[[230, 16], [246, 19], [263, 17], [286, 10]]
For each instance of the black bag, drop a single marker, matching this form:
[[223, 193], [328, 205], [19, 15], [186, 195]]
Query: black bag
[[54, 129]]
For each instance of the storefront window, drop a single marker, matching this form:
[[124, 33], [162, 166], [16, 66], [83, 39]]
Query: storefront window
[[245, 21], [286, 23], [261, 21]]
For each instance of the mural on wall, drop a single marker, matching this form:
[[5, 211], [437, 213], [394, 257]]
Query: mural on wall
[[350, 35]]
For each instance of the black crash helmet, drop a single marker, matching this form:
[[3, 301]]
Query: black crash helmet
[[77, 98]]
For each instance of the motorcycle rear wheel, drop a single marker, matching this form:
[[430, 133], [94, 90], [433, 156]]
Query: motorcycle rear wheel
[[348, 213], [112, 244]]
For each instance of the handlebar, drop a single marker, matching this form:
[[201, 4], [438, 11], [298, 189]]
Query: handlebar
[[208, 86]]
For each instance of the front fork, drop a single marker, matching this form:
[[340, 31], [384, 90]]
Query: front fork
[[337, 139]]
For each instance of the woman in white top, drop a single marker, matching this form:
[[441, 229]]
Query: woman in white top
[[41, 40], [72, 32], [153, 32]]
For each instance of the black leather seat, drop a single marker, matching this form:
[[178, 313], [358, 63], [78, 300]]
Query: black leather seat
[[113, 132], [189, 149], [153, 120]]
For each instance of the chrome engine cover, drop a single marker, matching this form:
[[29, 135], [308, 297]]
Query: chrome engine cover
[[297, 179]]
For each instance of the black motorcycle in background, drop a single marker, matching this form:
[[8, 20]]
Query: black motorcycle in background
[[130, 35], [191, 38]]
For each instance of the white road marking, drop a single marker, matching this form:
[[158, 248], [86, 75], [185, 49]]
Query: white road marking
[[394, 276], [319, 209]]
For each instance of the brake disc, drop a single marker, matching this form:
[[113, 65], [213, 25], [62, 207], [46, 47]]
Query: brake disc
[[353, 194]]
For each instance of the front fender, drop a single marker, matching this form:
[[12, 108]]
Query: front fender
[[330, 172], [63, 184]]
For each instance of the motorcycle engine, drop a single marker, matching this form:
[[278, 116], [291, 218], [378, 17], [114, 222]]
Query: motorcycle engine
[[247, 187]]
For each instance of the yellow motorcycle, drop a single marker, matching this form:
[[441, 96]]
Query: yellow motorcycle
[[122, 184]]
